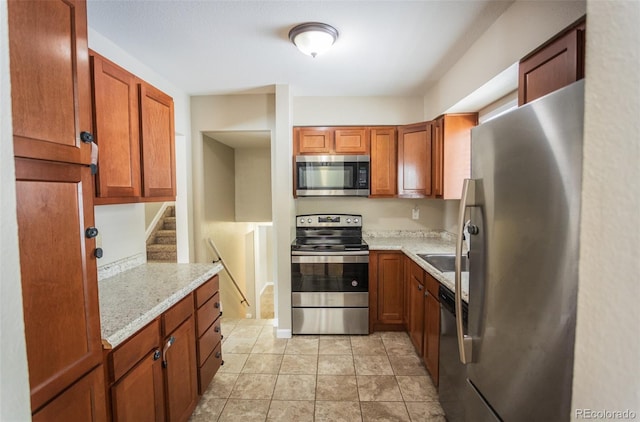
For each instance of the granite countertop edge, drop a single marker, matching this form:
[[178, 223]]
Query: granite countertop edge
[[412, 246], [118, 323]]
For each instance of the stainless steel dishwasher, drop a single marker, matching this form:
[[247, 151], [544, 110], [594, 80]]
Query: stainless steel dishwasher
[[453, 375]]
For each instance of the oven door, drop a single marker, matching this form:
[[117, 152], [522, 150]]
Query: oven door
[[347, 272], [332, 175]]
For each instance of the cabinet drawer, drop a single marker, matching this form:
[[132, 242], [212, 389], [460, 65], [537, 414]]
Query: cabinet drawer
[[432, 285], [125, 356], [208, 313], [209, 369], [208, 341], [179, 312], [207, 290]]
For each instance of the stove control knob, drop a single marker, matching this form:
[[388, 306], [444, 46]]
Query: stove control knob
[[355, 220], [309, 220], [354, 283], [348, 220], [302, 221]]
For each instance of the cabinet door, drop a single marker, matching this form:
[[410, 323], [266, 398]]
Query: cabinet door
[[314, 140], [351, 141], [416, 306], [83, 401], [431, 350], [116, 130], [384, 165], [552, 67], [138, 396], [59, 277], [455, 152], [50, 88], [390, 288], [181, 372], [158, 144], [414, 160]]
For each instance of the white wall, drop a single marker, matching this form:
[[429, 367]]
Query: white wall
[[115, 235], [525, 25], [283, 208], [15, 401], [253, 184], [381, 214], [607, 352], [357, 111]]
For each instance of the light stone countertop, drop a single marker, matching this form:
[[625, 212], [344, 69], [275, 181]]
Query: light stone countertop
[[131, 299], [413, 245]]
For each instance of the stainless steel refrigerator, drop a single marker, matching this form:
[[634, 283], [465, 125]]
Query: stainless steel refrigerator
[[523, 207]]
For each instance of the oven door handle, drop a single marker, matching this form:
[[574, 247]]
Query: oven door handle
[[344, 257]]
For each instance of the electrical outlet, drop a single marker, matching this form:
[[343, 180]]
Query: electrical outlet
[[415, 213], [248, 316]]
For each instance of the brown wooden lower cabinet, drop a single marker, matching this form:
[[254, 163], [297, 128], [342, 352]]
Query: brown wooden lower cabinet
[[181, 378], [83, 401], [386, 290], [208, 329], [139, 395], [156, 375]]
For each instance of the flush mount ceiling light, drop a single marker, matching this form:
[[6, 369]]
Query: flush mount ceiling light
[[313, 38]]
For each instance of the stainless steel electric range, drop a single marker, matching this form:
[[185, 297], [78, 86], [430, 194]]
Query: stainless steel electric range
[[329, 275]]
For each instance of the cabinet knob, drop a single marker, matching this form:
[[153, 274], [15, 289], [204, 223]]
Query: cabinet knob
[[91, 232], [217, 305], [98, 253], [156, 355], [86, 137], [420, 287], [216, 329], [218, 355]]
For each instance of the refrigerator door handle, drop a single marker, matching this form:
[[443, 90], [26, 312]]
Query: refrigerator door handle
[[464, 341]]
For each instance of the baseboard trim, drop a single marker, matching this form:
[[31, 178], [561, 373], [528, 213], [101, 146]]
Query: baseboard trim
[[280, 333]]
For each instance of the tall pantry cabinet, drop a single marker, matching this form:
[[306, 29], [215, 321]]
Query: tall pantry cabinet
[[51, 109]]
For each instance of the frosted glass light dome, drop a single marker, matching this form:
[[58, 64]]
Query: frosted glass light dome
[[313, 38]]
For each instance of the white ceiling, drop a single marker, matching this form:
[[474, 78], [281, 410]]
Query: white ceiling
[[385, 48]]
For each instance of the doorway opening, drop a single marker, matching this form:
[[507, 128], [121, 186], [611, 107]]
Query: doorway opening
[[237, 217]]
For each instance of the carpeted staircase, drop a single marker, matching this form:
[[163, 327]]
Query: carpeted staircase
[[161, 245]]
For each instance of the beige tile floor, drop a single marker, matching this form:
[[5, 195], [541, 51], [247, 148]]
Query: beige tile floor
[[317, 378]]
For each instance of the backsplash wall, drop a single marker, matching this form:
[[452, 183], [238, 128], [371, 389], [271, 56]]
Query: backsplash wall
[[380, 214]]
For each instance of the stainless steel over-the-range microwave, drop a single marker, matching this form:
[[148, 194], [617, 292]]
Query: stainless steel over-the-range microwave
[[332, 175]]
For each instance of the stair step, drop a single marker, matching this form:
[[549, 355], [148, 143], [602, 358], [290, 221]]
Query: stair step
[[162, 256], [165, 237], [156, 247], [169, 223]]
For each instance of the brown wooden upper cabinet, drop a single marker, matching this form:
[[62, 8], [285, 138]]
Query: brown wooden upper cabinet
[[451, 153], [553, 65], [414, 160], [134, 129], [341, 140], [50, 93], [384, 162]]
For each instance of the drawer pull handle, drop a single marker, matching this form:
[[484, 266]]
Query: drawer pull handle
[[221, 363]]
